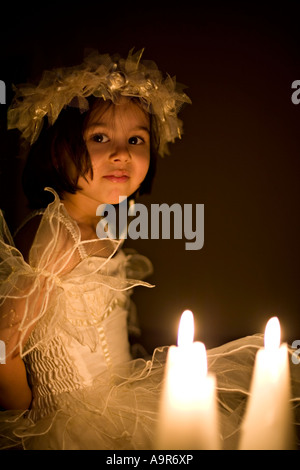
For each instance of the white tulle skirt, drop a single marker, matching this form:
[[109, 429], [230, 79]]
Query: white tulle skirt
[[120, 411]]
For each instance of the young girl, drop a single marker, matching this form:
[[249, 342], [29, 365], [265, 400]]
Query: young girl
[[69, 381], [95, 131]]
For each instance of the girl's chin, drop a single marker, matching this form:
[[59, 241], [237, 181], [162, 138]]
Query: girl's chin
[[116, 200]]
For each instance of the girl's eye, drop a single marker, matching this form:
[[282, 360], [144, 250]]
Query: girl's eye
[[135, 140], [100, 138]]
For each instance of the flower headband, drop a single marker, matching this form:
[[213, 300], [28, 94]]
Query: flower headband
[[104, 77]]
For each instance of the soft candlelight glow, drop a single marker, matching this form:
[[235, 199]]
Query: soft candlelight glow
[[186, 329], [272, 335], [268, 420], [188, 412]]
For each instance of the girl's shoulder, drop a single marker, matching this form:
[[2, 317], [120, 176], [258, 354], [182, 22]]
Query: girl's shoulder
[[47, 234], [26, 233], [51, 239]]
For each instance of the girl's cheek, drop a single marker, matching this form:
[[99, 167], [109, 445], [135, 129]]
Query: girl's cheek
[[96, 158], [144, 154], [144, 169]]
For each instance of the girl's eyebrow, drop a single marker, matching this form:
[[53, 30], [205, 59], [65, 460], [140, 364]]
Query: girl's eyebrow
[[98, 124], [141, 128], [105, 126]]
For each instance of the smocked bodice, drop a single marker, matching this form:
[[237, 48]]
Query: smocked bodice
[[90, 337], [69, 308]]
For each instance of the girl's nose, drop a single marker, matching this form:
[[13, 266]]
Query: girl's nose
[[120, 154]]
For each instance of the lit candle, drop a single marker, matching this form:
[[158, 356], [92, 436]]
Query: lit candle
[[268, 424], [188, 411]]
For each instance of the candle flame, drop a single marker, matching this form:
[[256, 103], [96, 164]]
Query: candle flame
[[272, 334], [186, 329]]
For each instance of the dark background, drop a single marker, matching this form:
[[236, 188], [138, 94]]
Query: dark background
[[239, 154]]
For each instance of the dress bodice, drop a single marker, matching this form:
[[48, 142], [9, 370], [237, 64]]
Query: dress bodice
[[75, 307], [90, 336]]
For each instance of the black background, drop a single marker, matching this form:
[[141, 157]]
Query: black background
[[239, 155]]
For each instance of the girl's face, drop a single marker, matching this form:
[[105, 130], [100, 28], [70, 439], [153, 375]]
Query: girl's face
[[118, 141]]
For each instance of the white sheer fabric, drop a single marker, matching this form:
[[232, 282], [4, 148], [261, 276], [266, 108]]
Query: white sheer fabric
[[66, 313]]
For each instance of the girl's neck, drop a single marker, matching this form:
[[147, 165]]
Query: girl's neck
[[83, 211]]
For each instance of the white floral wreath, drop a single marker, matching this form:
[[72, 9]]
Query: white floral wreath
[[105, 77]]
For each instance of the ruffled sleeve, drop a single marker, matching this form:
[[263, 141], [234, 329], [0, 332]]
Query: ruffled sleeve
[[20, 285], [58, 260]]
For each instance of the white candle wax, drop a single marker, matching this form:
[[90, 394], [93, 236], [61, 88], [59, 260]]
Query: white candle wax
[[267, 424], [188, 412]]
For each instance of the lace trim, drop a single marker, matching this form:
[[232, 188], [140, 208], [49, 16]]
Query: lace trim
[[104, 345]]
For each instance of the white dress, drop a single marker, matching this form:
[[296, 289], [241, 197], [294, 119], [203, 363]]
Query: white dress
[[67, 312], [72, 309]]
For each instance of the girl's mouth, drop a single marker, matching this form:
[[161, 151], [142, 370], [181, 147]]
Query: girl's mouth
[[117, 179]]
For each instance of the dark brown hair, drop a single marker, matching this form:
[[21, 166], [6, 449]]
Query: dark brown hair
[[49, 157]]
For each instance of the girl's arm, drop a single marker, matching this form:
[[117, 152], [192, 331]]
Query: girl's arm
[[15, 392]]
